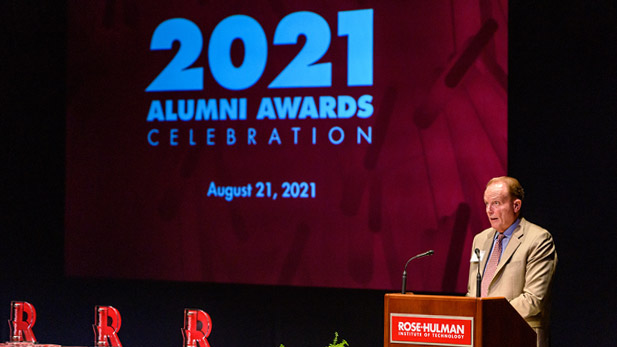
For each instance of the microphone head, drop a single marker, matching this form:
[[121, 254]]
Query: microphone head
[[477, 251]]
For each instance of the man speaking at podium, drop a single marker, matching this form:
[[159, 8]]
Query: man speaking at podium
[[517, 259]]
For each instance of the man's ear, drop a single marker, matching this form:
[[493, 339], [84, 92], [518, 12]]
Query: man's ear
[[517, 205]]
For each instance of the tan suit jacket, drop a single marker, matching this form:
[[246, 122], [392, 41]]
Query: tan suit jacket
[[525, 271]]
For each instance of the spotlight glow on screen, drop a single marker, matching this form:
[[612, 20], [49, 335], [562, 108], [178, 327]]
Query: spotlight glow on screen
[[282, 143]]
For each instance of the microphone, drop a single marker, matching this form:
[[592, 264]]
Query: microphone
[[478, 276], [427, 253]]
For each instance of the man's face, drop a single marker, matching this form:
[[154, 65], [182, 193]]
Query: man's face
[[501, 209]]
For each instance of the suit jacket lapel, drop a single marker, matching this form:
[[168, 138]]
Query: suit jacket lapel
[[486, 245]]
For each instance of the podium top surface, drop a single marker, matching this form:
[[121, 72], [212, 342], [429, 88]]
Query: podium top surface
[[440, 297]]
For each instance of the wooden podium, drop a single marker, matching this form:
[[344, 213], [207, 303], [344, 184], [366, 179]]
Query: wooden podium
[[432, 320]]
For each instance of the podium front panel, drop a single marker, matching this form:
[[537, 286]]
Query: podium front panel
[[428, 320], [453, 321]]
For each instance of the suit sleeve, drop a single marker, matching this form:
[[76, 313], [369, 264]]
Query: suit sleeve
[[540, 267]]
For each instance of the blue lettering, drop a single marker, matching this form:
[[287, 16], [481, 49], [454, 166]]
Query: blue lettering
[[169, 111], [367, 137], [357, 25], [173, 137], [206, 110], [274, 137], [191, 141], [231, 136], [253, 37], [211, 189], [186, 109], [314, 135], [178, 74], [266, 109], [303, 70], [150, 140], [251, 136], [295, 131], [309, 109], [242, 115], [341, 133], [365, 108], [326, 107], [156, 112], [346, 106], [229, 192], [287, 109], [229, 109], [210, 137]]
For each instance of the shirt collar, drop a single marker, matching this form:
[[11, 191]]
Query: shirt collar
[[510, 230]]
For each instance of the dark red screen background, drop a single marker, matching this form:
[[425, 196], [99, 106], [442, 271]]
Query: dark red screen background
[[439, 132]]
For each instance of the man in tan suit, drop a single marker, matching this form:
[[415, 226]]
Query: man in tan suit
[[521, 269]]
